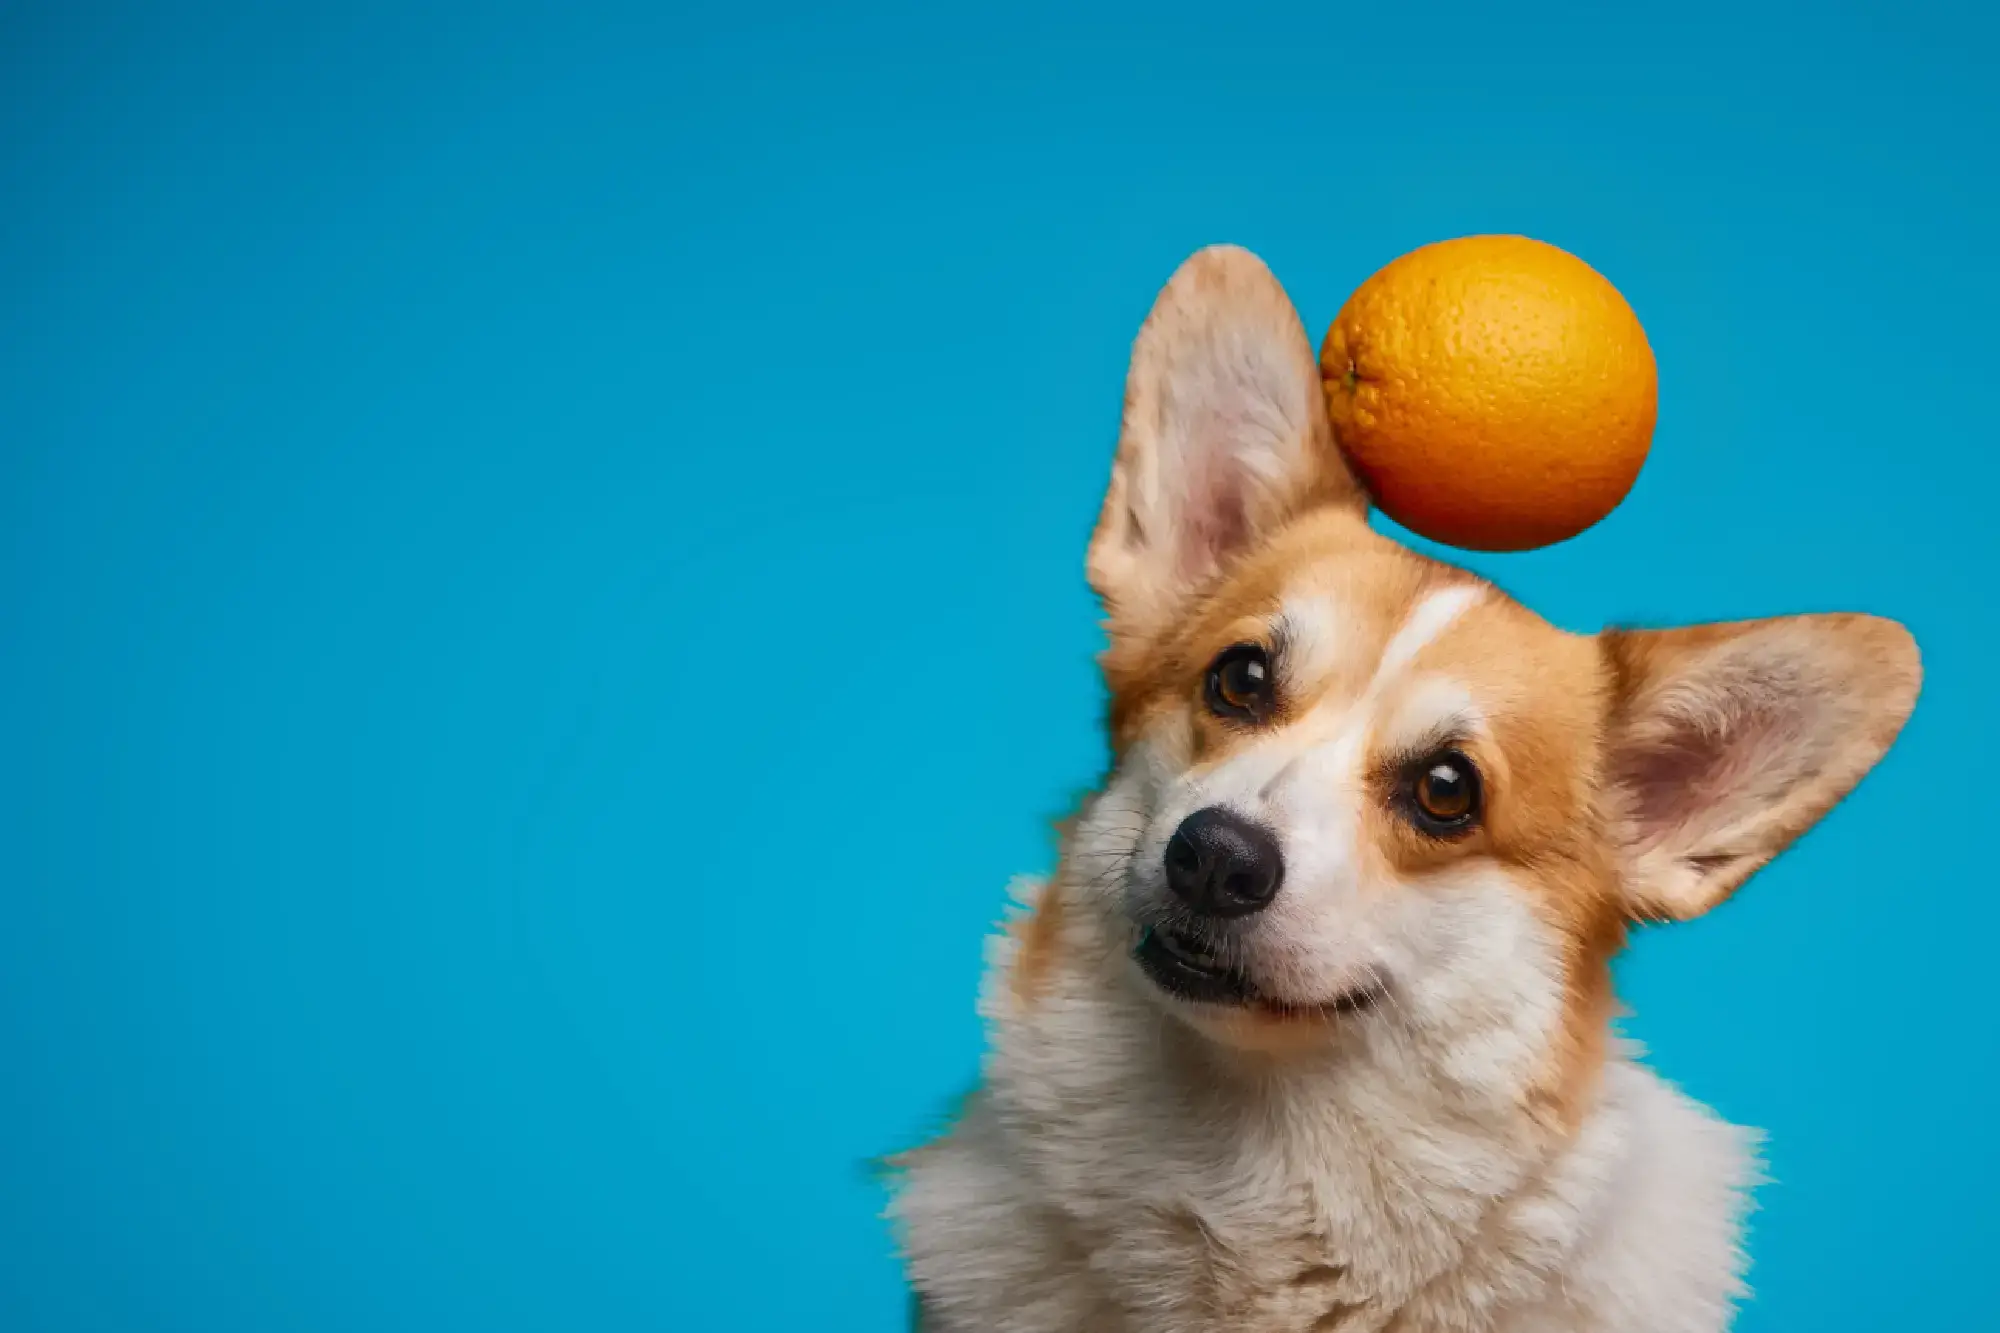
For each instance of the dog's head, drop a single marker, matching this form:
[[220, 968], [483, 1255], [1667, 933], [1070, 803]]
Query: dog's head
[[1355, 785]]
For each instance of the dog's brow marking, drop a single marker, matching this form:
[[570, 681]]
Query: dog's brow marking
[[1434, 702], [1310, 625], [1430, 618]]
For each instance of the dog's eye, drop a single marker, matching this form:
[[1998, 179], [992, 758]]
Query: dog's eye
[[1239, 683], [1444, 797]]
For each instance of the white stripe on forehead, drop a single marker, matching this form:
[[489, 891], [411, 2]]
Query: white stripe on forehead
[[1315, 643], [1428, 619]]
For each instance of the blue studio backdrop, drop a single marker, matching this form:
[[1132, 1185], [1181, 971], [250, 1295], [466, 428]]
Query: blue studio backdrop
[[541, 598]]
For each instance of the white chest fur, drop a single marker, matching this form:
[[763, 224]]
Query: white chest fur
[[1112, 1175]]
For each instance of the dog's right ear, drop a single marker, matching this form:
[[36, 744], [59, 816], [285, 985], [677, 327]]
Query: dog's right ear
[[1225, 436]]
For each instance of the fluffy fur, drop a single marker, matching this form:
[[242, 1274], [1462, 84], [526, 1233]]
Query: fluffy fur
[[1419, 1120]]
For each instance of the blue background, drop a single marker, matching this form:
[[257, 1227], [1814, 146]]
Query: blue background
[[541, 601]]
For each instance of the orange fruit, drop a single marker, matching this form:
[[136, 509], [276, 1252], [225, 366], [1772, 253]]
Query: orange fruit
[[1492, 392]]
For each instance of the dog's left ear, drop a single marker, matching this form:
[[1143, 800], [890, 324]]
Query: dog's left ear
[[1726, 742], [1225, 436]]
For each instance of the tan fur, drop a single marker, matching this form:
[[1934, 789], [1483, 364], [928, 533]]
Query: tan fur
[[1040, 934], [1466, 1148]]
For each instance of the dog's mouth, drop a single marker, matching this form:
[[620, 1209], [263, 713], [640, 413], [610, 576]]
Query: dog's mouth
[[1190, 968]]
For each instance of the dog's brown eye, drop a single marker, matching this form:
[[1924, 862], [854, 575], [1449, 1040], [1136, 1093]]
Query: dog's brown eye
[[1445, 795], [1239, 683]]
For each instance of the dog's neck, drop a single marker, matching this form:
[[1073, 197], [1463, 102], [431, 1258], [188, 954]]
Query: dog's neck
[[1393, 1177]]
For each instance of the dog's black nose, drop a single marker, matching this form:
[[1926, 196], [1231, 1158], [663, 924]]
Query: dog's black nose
[[1221, 864]]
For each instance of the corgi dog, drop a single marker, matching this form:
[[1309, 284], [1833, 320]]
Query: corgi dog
[[1310, 1029]]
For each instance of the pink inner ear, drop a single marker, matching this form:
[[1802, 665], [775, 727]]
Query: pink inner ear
[[1731, 756], [1215, 521]]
